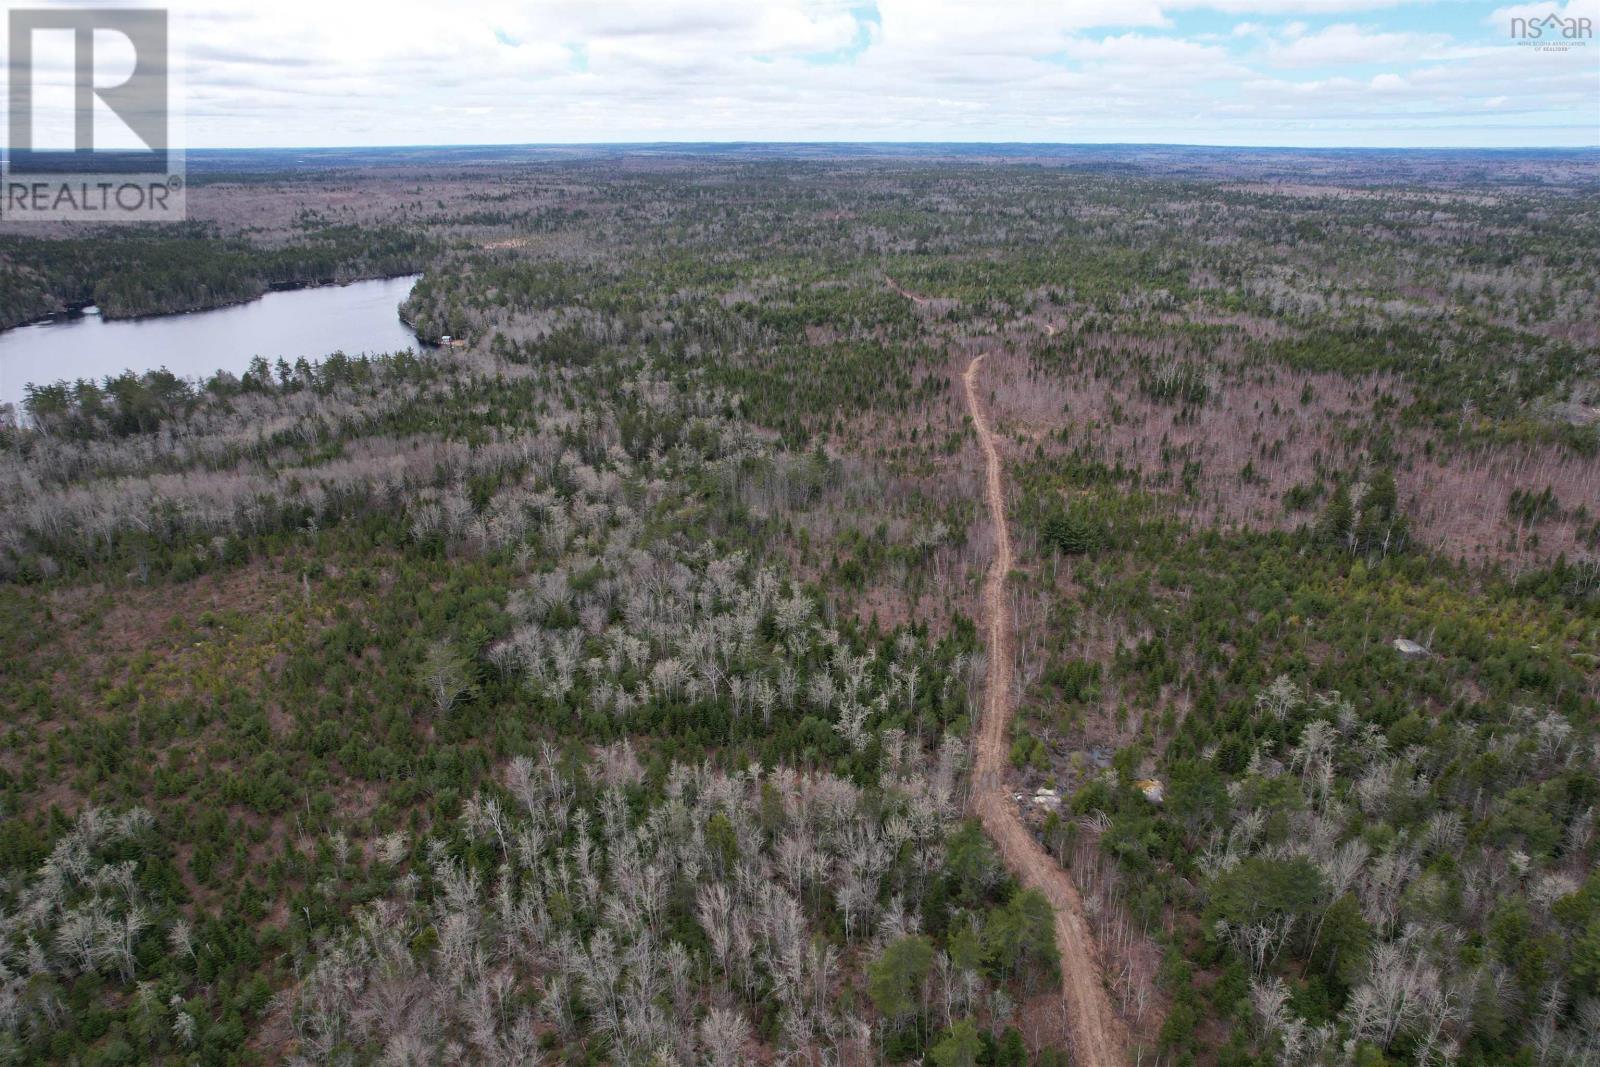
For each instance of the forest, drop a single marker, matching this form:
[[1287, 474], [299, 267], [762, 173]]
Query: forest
[[607, 690], [187, 268]]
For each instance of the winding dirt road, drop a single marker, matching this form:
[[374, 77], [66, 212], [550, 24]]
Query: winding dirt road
[[907, 293], [1098, 1038]]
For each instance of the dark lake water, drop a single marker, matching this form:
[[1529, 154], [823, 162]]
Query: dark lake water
[[314, 323]]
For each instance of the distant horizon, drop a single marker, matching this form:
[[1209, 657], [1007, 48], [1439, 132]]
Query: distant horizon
[[895, 142]]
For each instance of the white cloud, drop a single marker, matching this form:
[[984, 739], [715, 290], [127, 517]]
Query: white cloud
[[371, 72], [1289, 7], [1346, 44]]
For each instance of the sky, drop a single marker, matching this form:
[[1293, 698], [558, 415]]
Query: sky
[[1388, 73]]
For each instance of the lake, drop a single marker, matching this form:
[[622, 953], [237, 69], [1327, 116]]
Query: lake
[[314, 323]]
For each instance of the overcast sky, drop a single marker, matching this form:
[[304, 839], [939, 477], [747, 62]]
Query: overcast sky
[[1249, 72]]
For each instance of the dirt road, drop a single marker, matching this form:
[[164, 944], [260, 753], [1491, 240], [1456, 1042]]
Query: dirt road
[[907, 293], [1098, 1037]]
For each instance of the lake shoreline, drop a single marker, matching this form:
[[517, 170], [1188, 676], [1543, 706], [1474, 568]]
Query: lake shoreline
[[77, 309], [363, 315]]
